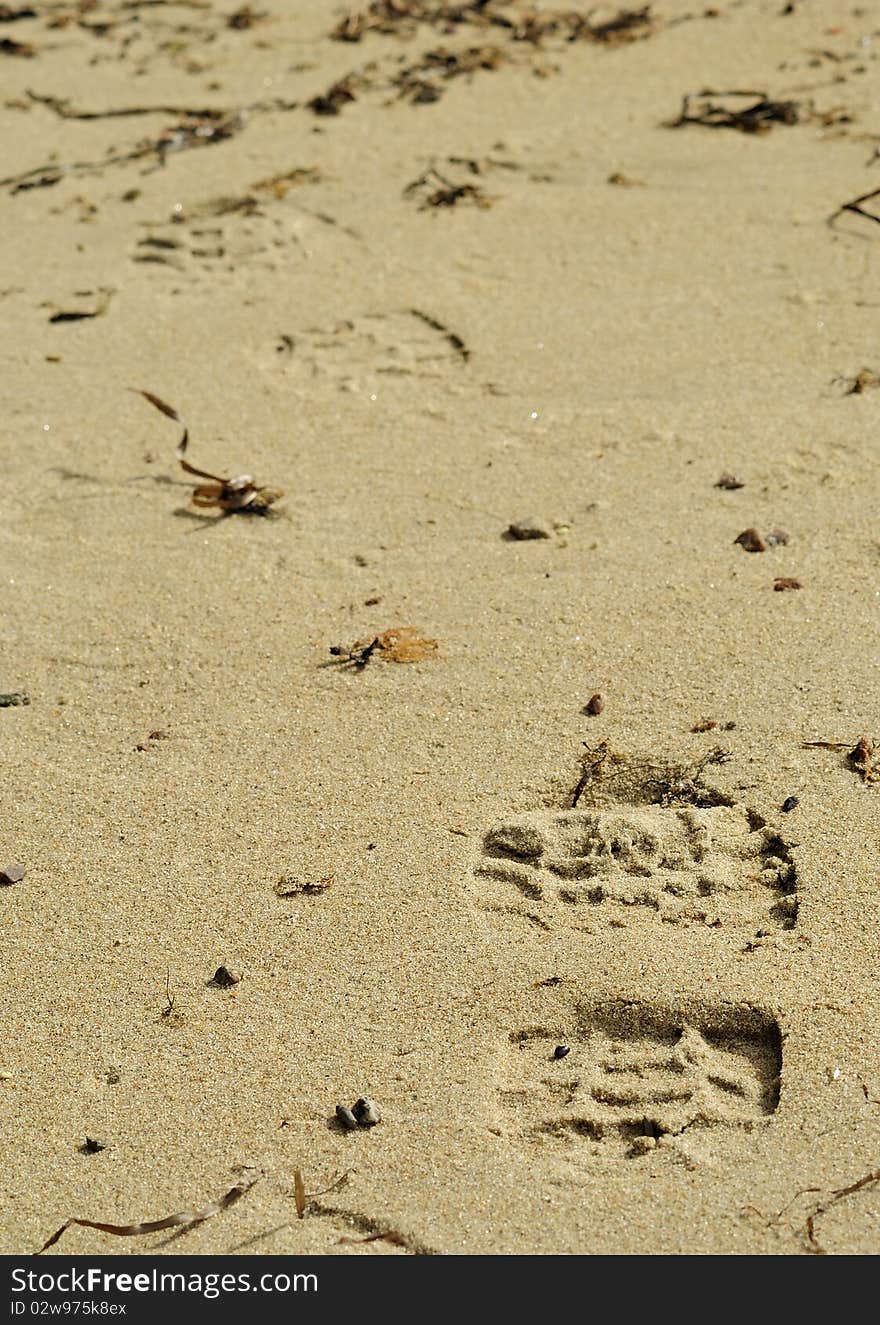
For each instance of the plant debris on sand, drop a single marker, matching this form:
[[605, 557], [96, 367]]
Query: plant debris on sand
[[232, 496]]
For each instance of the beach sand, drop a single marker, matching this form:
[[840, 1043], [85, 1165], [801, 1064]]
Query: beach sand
[[585, 318]]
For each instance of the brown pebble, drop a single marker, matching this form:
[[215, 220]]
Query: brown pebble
[[13, 873], [751, 540], [561, 1051], [730, 482], [786, 582], [777, 538], [225, 978], [594, 706]]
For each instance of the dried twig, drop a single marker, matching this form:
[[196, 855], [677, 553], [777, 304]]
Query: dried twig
[[855, 205], [592, 762], [184, 1219]]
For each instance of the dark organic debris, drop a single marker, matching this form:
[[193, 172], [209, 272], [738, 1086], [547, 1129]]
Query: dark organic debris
[[784, 583], [339, 94], [13, 873], [13, 699], [401, 644], [758, 116], [244, 18], [420, 83], [9, 15], [704, 725], [453, 339], [561, 1051], [232, 496], [404, 17], [185, 1219], [865, 380], [730, 482], [434, 189], [93, 1145], [790, 803], [864, 759], [81, 314], [22, 48], [856, 205], [822, 1207], [592, 761], [289, 886]]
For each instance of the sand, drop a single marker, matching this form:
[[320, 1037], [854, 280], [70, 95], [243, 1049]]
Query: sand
[[416, 377]]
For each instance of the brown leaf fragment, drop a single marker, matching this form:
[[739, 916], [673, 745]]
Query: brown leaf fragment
[[785, 582], [299, 1194], [183, 1218], [751, 540]]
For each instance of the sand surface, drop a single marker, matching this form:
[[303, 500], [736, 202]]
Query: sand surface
[[416, 376]]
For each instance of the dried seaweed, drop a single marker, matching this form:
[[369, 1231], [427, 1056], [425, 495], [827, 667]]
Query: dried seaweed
[[855, 206], [758, 116], [822, 1207], [403, 17], [454, 340], [182, 1219], [339, 94], [420, 82], [865, 380], [864, 758], [434, 189], [232, 496]]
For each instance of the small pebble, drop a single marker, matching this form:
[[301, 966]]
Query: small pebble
[[531, 527], [366, 1113], [225, 978], [730, 482], [347, 1118], [777, 538], [594, 706], [561, 1051], [93, 1145], [751, 540], [789, 804], [13, 873], [786, 582]]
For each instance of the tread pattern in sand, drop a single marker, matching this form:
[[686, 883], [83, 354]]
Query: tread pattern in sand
[[718, 865], [636, 1073]]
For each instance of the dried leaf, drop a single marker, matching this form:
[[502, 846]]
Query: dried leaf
[[183, 1218]]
